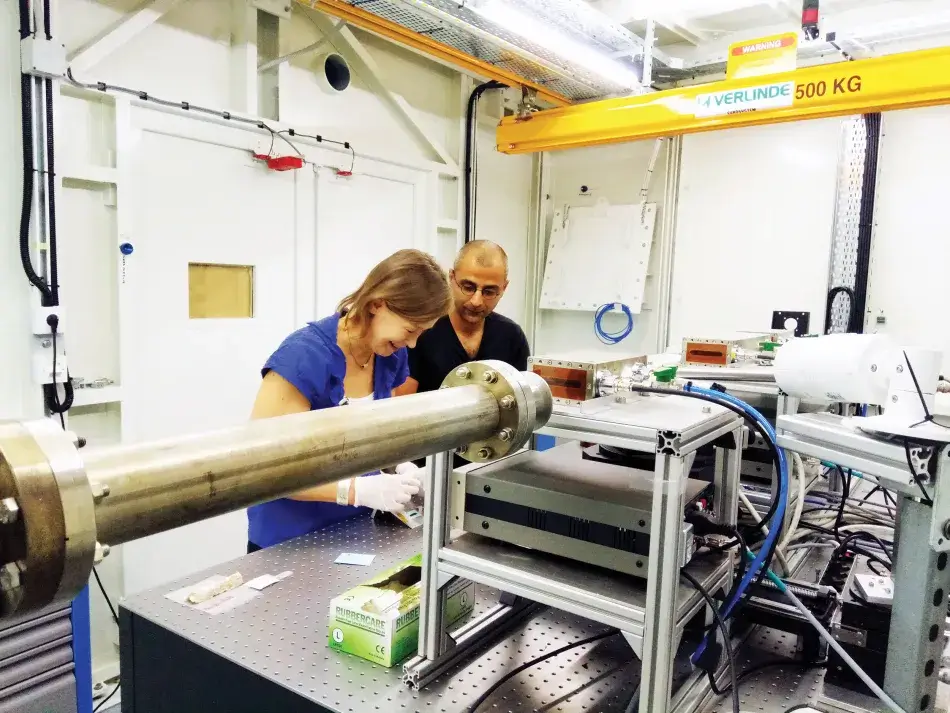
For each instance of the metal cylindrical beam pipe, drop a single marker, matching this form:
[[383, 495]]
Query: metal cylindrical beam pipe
[[59, 510], [159, 486]]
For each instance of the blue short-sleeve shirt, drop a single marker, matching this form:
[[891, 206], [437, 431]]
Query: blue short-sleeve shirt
[[311, 360]]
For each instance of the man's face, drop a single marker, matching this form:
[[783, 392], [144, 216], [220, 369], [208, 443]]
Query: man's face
[[477, 289]]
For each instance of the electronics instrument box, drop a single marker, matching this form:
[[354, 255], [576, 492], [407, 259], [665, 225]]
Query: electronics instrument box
[[556, 502], [379, 620], [573, 377]]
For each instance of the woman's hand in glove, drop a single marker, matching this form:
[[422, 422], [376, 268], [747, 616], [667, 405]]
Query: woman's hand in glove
[[390, 492]]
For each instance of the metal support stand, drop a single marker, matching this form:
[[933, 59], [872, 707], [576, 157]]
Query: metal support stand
[[659, 645], [439, 650], [921, 575], [650, 614], [921, 583], [435, 535]]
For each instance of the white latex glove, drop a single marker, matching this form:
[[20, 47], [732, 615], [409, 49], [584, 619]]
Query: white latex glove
[[413, 469], [390, 492]]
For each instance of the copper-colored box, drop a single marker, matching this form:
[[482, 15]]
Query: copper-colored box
[[573, 378]]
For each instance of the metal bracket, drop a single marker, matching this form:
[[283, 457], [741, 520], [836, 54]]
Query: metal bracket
[[669, 443], [636, 643], [849, 635]]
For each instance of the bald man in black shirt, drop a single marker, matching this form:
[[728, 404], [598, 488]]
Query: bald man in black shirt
[[471, 331]]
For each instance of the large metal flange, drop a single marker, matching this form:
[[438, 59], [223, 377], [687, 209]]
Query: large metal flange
[[47, 532], [524, 404]]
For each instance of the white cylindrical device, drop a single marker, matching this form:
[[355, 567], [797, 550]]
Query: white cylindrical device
[[836, 367]]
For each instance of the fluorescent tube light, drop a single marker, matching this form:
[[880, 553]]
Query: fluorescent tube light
[[571, 51]]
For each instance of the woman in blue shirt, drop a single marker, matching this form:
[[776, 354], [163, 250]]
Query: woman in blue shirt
[[358, 353]]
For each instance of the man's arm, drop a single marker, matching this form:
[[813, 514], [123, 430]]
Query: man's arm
[[409, 386], [416, 365], [278, 397]]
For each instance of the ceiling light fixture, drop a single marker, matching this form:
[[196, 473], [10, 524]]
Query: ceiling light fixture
[[534, 29]]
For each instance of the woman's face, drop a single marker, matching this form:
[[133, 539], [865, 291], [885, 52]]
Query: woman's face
[[388, 332]]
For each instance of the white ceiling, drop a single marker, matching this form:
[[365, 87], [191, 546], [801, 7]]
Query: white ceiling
[[699, 31]]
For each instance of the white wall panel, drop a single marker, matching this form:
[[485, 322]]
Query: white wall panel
[[361, 220], [503, 207], [190, 375], [910, 251], [754, 226], [87, 257], [185, 56], [19, 398], [617, 174]]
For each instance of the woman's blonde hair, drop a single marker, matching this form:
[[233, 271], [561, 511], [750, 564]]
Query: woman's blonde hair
[[411, 284]]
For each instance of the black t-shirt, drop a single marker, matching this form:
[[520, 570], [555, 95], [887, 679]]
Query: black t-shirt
[[439, 350]]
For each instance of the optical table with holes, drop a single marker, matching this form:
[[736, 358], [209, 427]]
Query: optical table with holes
[[270, 654]]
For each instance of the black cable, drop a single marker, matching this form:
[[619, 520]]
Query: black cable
[[857, 535], [870, 493], [759, 668], [51, 188], [528, 664], [62, 418], [26, 207], [726, 640], [845, 494], [188, 106], [47, 20], [829, 305], [50, 392], [872, 128], [105, 700], [105, 595], [471, 133], [24, 19]]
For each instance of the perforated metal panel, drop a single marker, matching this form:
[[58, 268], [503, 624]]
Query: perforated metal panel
[[847, 217], [453, 24], [775, 689], [282, 636]]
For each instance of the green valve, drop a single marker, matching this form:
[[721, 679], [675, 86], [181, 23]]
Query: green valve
[[665, 375], [768, 346]]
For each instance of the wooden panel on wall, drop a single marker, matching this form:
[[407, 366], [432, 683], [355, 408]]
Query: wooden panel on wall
[[220, 291]]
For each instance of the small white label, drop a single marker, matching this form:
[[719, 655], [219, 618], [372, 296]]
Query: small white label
[[262, 582], [736, 101], [338, 636], [355, 558]]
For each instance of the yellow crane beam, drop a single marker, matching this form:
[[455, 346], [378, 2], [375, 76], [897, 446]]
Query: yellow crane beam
[[899, 81], [404, 36]]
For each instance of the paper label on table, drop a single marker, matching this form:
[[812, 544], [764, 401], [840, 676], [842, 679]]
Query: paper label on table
[[355, 558], [265, 580], [216, 605], [262, 582]]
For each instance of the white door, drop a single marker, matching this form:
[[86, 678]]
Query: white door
[[361, 220], [200, 203]]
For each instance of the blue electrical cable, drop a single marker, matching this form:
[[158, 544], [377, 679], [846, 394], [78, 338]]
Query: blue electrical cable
[[779, 517], [612, 337]]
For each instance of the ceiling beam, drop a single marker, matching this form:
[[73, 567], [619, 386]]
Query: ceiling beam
[[696, 37], [353, 51], [97, 49], [358, 17]]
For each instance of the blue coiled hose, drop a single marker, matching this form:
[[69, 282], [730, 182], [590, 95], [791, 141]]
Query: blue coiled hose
[[612, 337]]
